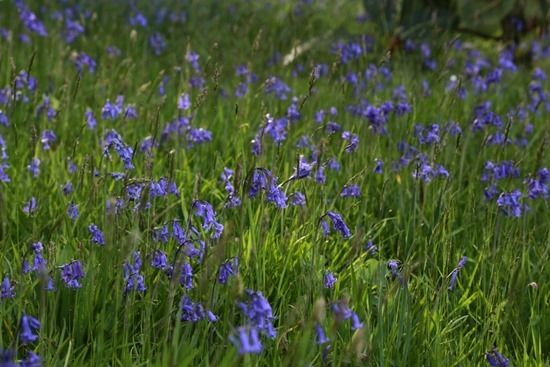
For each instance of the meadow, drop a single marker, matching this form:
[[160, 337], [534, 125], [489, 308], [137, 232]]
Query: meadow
[[268, 183]]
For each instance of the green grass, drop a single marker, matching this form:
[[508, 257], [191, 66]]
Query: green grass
[[428, 227]]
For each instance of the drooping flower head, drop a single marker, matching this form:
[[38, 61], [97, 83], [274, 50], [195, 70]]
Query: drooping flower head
[[29, 325]]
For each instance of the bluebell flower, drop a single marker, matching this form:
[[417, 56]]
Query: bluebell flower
[[329, 279], [343, 312], [191, 311], [72, 273], [339, 224], [186, 275], [370, 248], [178, 233], [34, 167], [7, 358], [32, 360], [47, 138], [320, 176], [351, 191], [133, 279], [510, 203], [7, 290], [393, 266], [454, 273], [72, 31], [130, 112], [193, 59], [258, 313], [499, 171], [277, 196], [378, 167], [247, 340], [4, 119], [320, 336], [97, 234], [355, 322], [297, 199], [428, 135], [84, 61], [277, 87], [205, 211], [29, 325], [157, 42], [198, 136], [159, 260], [30, 20], [138, 19], [228, 269], [184, 102], [90, 119], [125, 152], [72, 211], [31, 206], [538, 187], [353, 141], [67, 188], [110, 111], [496, 359], [161, 234]]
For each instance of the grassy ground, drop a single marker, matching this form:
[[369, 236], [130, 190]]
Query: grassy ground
[[411, 211]]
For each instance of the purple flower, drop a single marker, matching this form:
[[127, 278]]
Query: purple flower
[[320, 336], [29, 325], [277, 196], [258, 313], [191, 311], [247, 340], [329, 279], [351, 191], [428, 135], [4, 119], [353, 141], [7, 358], [297, 199], [339, 224], [125, 152], [186, 276], [184, 102], [48, 137], [34, 167], [73, 29], [277, 87], [6, 289], [30, 206], [132, 277], [495, 359], [393, 266], [198, 136], [72, 211], [193, 59], [90, 119], [157, 43], [228, 269], [84, 61], [159, 260], [205, 211], [454, 273], [510, 203], [97, 234], [370, 248], [30, 19], [72, 273], [32, 360]]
